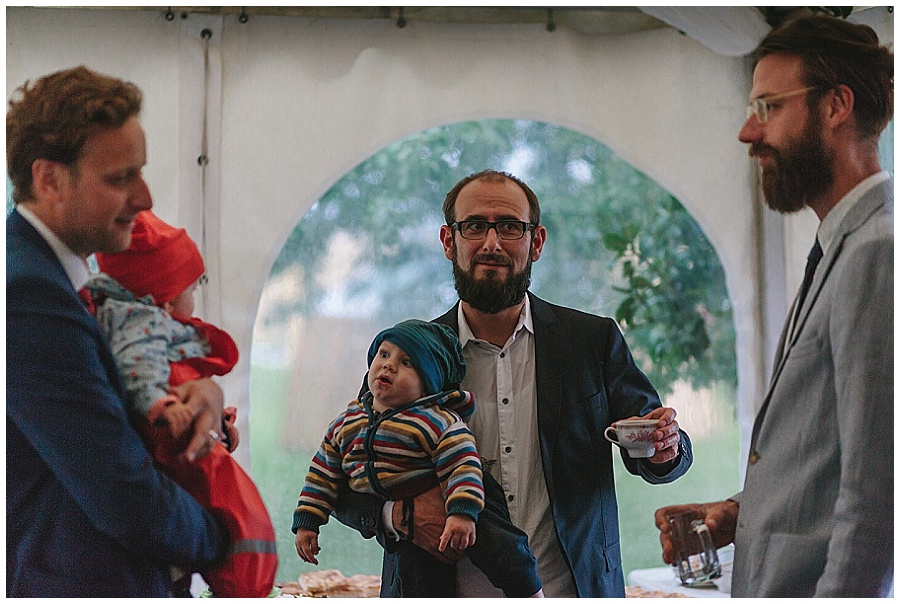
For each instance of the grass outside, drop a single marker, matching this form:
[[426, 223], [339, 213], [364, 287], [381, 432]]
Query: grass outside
[[279, 473]]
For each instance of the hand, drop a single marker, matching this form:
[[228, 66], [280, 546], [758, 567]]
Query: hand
[[205, 401], [307, 544], [459, 532], [720, 517], [428, 519], [231, 431], [178, 417], [667, 436]]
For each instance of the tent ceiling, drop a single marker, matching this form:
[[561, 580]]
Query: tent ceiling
[[594, 20]]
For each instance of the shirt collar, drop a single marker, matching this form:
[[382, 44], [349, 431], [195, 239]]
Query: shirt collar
[[829, 226], [465, 332], [75, 266]]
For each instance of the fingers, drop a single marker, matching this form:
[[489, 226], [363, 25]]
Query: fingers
[[667, 435], [660, 517], [307, 544], [233, 437], [200, 395], [229, 417], [200, 446], [205, 436], [666, 447], [457, 540]]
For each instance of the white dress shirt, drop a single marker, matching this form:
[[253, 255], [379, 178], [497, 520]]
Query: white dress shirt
[[505, 425], [829, 226]]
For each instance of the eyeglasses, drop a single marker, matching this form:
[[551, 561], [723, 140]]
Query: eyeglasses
[[760, 107], [505, 229]]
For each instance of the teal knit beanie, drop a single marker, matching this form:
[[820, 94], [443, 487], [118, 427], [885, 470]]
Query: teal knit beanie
[[433, 348]]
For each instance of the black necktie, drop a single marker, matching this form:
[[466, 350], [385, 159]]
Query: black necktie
[[815, 254]]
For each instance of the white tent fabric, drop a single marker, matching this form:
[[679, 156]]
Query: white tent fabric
[[287, 105], [733, 31]]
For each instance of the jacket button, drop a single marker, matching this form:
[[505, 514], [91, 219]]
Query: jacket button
[[754, 457]]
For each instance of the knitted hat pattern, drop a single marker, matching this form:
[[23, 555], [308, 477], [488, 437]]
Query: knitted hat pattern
[[433, 349], [161, 261]]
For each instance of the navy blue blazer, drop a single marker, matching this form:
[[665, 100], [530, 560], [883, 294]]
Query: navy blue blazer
[[87, 514], [586, 379]]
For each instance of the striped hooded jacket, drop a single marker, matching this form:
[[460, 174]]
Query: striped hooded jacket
[[396, 454]]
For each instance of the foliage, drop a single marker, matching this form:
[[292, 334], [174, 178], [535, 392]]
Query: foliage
[[675, 308], [618, 244]]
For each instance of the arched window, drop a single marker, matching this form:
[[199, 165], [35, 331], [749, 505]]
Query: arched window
[[367, 255]]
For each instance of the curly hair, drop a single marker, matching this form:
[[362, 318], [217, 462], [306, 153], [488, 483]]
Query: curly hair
[[836, 52], [494, 176], [54, 117]]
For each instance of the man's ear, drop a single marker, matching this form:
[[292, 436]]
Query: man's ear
[[48, 179], [447, 241], [839, 105]]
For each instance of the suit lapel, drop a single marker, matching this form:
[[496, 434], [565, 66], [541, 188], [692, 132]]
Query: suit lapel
[[870, 203], [450, 319], [548, 350]]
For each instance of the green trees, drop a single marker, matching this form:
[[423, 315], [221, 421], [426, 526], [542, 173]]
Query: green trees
[[618, 244]]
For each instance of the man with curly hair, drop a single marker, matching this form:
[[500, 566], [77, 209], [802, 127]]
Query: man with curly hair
[[88, 514]]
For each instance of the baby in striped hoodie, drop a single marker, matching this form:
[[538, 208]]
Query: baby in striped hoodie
[[406, 434]]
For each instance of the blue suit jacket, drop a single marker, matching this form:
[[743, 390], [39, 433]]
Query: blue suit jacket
[[87, 514], [586, 379]]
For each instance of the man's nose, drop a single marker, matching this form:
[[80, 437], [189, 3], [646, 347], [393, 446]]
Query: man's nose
[[751, 131], [141, 197], [491, 239]]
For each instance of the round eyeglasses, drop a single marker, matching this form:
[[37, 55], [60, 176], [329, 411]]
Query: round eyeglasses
[[505, 229]]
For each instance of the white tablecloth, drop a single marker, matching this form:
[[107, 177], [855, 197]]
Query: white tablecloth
[[663, 579]]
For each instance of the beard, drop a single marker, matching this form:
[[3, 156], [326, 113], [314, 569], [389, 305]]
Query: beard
[[800, 173], [491, 294]]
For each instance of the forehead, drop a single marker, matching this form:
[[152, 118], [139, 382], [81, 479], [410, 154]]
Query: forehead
[[391, 347], [777, 73], [112, 148], [492, 200]]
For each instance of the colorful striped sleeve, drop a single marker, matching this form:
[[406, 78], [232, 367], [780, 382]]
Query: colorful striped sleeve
[[320, 490], [458, 466]]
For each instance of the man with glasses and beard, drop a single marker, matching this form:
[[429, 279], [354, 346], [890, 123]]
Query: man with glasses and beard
[[816, 515], [547, 380]]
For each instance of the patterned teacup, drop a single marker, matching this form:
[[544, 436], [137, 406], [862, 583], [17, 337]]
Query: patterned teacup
[[634, 435]]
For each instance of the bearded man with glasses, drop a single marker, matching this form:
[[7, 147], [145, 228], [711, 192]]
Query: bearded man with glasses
[[816, 515], [547, 380]]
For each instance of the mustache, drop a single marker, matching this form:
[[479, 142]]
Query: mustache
[[492, 258], [756, 149]]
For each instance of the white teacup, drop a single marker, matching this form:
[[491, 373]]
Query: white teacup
[[634, 435]]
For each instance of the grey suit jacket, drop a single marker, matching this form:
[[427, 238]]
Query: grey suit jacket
[[817, 510]]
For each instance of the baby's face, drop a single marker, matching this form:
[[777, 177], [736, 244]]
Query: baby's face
[[182, 305], [392, 378]]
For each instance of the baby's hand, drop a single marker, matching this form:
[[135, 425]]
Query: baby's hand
[[459, 532], [307, 543]]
